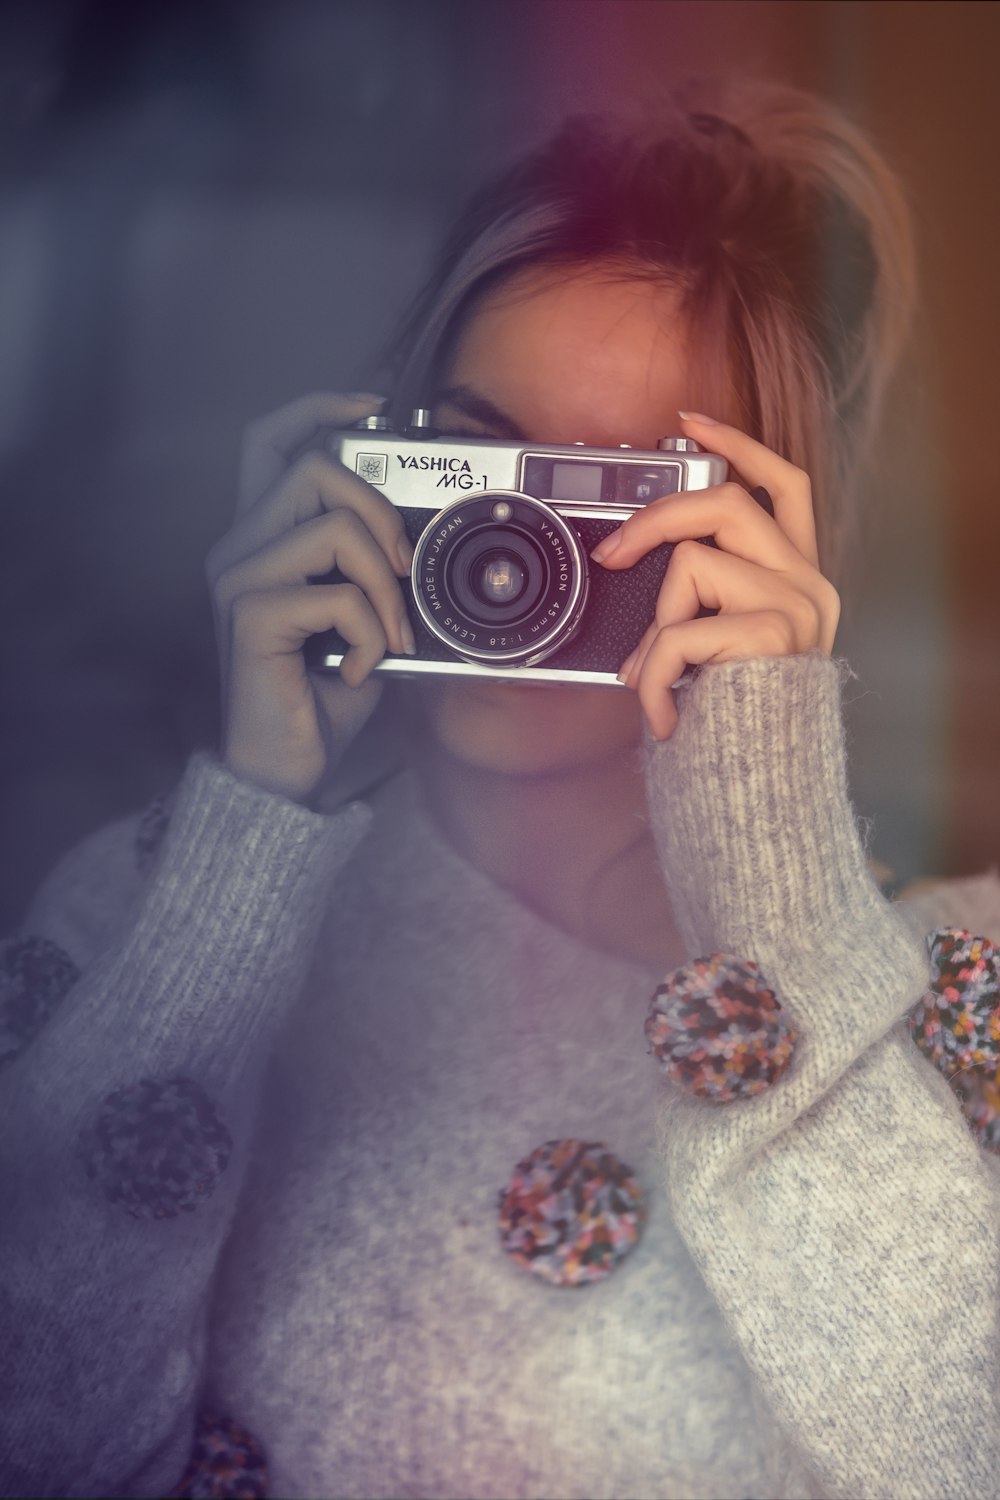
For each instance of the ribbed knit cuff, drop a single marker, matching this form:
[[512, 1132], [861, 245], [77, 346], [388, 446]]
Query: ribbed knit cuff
[[757, 838], [221, 938], [255, 849]]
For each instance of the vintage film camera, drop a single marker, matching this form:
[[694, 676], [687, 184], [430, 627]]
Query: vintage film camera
[[502, 584]]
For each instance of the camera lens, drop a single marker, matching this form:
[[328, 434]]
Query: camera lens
[[495, 573], [509, 590]]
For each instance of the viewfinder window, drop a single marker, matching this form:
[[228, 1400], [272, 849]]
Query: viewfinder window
[[576, 481]]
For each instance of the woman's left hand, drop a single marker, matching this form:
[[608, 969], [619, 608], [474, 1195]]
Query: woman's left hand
[[762, 576]]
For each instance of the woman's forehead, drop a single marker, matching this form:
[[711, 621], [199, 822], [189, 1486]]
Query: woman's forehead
[[578, 355]]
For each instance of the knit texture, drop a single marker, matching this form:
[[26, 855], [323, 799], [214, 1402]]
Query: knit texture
[[251, 1157]]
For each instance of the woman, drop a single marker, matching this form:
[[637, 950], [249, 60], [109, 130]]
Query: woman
[[286, 1065]]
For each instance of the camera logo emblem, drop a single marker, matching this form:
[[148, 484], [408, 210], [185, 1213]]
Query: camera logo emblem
[[371, 467]]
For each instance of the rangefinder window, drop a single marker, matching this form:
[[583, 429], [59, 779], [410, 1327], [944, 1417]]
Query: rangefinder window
[[579, 482], [638, 486]]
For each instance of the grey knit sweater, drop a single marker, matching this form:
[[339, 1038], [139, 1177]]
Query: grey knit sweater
[[361, 1035]]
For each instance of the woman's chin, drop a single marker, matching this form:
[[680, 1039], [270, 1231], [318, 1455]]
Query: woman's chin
[[526, 730]]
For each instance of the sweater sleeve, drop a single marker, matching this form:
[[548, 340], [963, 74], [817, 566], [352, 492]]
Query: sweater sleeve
[[138, 1015], [845, 1219]]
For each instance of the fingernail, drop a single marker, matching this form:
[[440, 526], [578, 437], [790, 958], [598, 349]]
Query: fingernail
[[604, 549], [697, 416], [627, 665], [409, 644], [404, 551], [367, 397]]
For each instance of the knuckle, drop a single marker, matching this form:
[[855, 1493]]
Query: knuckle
[[352, 597], [804, 614], [225, 583], [732, 495], [777, 633], [800, 478], [340, 524], [311, 468], [247, 612], [688, 553], [829, 599]]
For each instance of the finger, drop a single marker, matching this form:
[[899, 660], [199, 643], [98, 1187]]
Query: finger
[[272, 442], [701, 577], [717, 638], [313, 487], [638, 652], [338, 541], [270, 624], [788, 486], [726, 513]]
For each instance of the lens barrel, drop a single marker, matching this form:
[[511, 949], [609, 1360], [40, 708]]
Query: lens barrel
[[500, 578]]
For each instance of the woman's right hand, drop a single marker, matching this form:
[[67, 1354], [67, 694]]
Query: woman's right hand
[[300, 514]]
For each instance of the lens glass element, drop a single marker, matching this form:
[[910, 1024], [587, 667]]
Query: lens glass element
[[501, 579]]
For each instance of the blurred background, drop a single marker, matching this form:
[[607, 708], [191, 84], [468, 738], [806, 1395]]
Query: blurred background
[[209, 207]]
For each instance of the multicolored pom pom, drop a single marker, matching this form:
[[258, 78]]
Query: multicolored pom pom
[[227, 1463], [717, 1028], [957, 1022], [571, 1212], [157, 1149], [35, 976], [978, 1090]]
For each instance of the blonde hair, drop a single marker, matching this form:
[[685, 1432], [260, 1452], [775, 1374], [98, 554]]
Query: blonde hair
[[782, 228]]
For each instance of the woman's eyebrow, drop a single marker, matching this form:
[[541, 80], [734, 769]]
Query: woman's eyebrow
[[481, 409]]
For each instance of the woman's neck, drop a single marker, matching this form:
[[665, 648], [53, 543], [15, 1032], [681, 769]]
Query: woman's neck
[[574, 845]]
